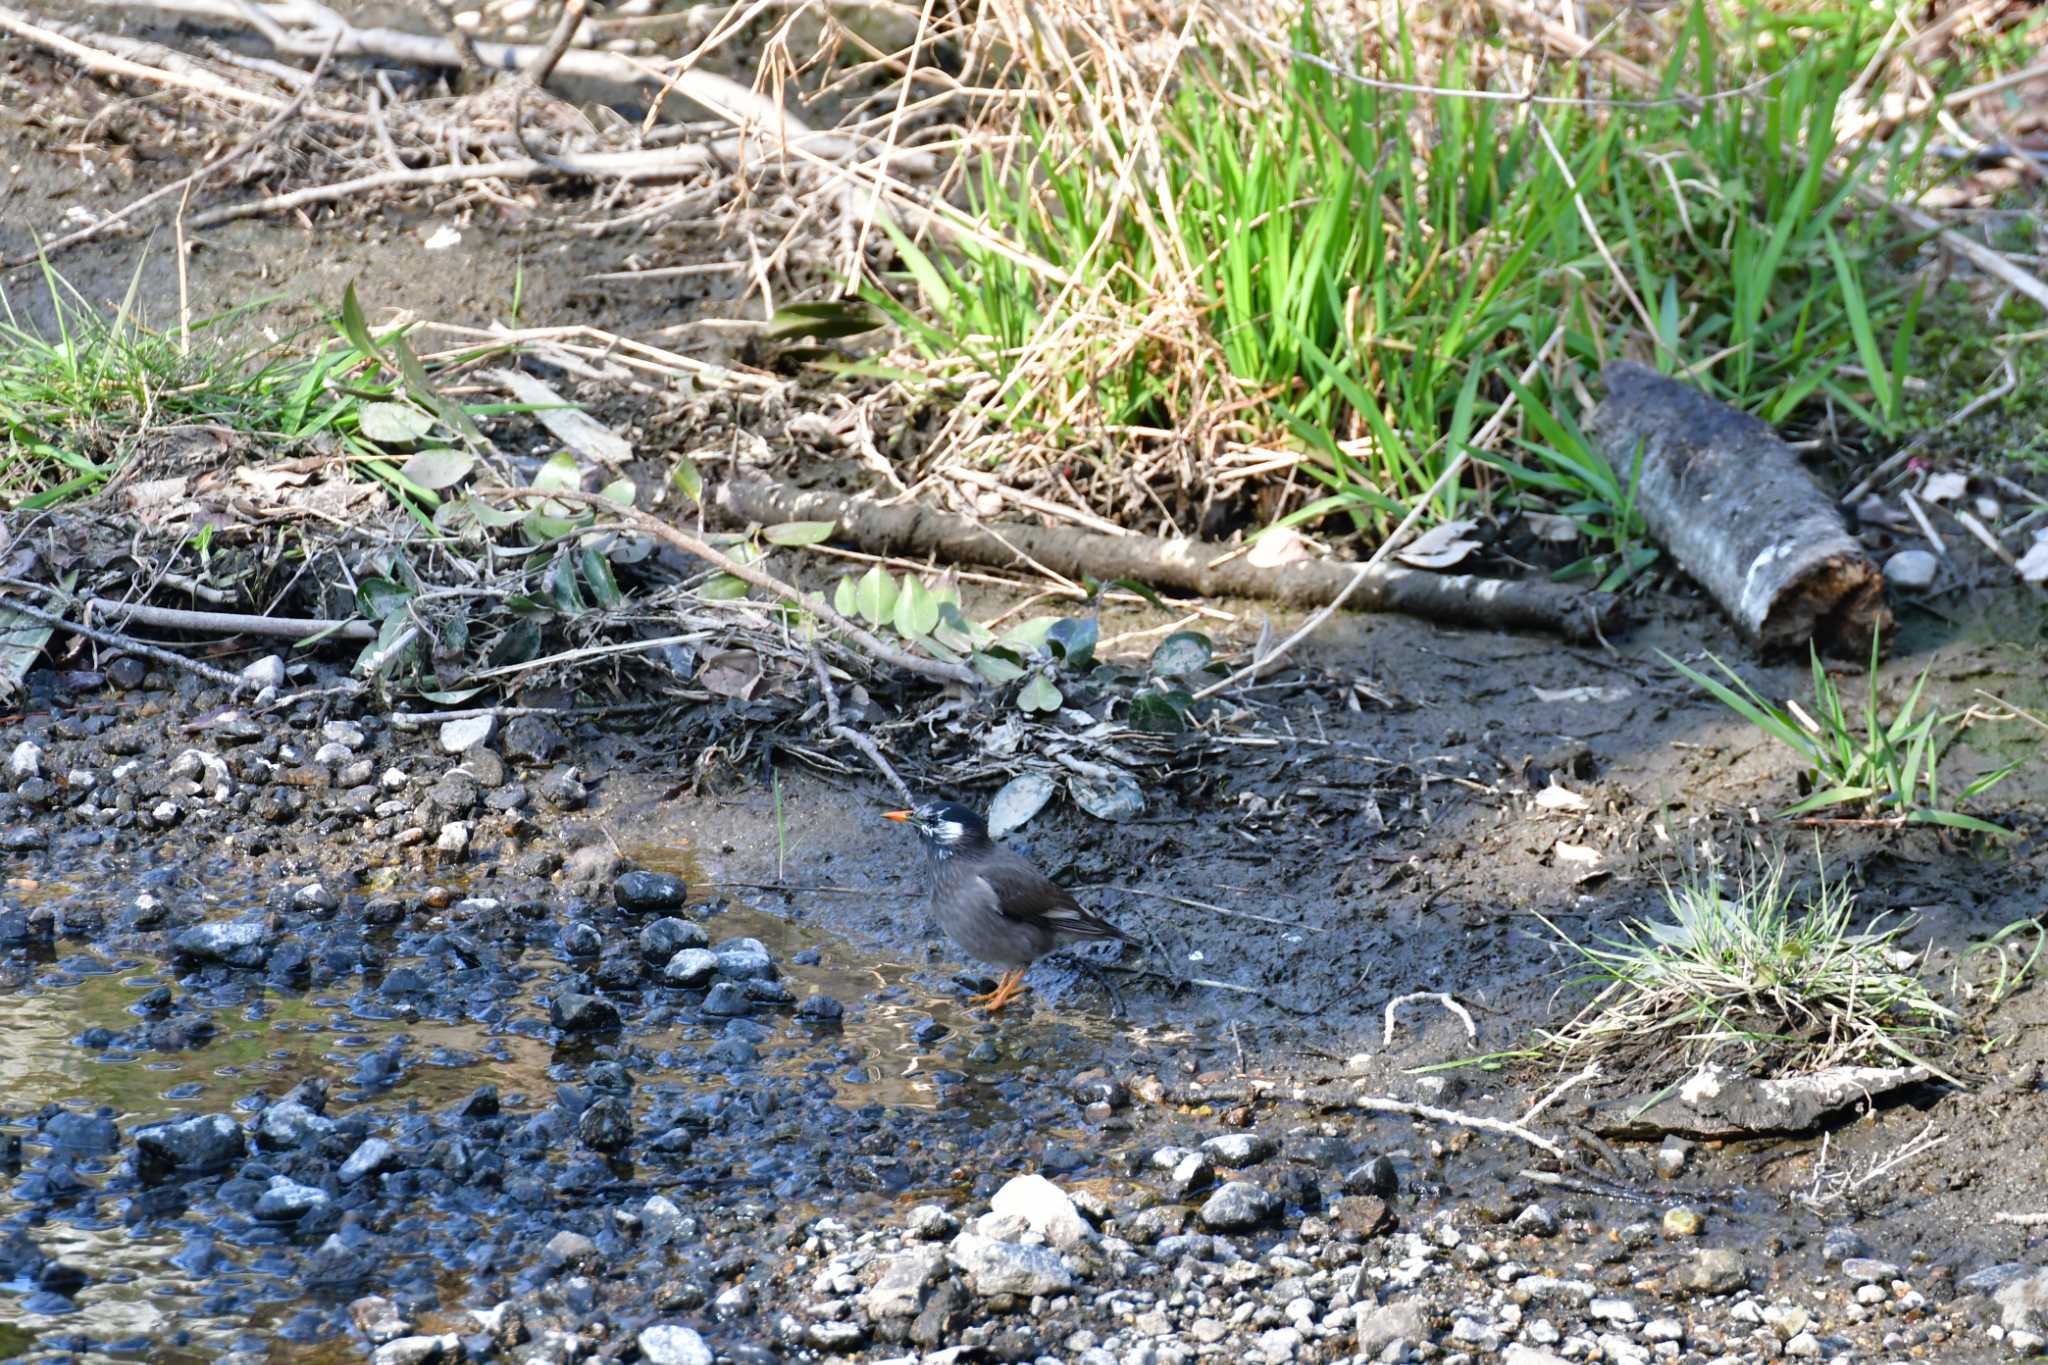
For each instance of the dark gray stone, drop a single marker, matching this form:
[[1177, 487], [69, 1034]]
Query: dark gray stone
[[574, 1012], [1239, 1206]]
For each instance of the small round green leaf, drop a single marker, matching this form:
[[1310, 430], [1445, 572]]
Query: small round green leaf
[[558, 472], [392, 424], [724, 588], [794, 533], [917, 611], [1039, 695], [875, 594], [1182, 653], [689, 480], [438, 469]]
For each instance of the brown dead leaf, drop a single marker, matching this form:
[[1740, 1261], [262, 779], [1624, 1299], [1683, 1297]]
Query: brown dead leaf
[[1440, 546], [1281, 545], [1563, 799], [2033, 565], [733, 673]]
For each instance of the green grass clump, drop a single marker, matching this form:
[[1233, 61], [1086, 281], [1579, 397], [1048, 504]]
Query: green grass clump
[[1284, 256], [78, 396], [1750, 970], [1882, 770]]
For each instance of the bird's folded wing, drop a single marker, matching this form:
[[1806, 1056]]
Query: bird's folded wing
[[1026, 894]]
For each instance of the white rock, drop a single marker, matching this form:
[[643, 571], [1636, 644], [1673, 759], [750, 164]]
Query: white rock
[[332, 755], [26, 762], [267, 671], [993, 1267], [668, 1344], [1911, 570], [1045, 1207], [458, 736], [342, 732], [454, 838]]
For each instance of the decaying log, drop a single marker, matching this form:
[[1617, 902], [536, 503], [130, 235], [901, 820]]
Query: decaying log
[[1193, 566], [1738, 512]]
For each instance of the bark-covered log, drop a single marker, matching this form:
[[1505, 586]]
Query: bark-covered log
[[1185, 565], [1738, 512]]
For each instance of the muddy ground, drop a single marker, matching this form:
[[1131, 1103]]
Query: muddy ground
[[649, 1162]]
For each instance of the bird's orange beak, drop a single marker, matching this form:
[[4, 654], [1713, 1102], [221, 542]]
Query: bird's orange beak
[[897, 815]]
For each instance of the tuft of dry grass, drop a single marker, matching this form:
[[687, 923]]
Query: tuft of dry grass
[[1753, 969]]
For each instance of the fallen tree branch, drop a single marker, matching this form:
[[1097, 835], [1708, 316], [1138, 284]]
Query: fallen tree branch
[[230, 622], [681, 540], [1187, 565], [109, 638]]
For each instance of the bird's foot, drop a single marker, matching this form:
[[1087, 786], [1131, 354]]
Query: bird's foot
[[1008, 989]]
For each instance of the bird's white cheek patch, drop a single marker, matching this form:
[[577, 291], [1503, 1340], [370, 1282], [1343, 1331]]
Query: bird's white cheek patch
[[946, 832]]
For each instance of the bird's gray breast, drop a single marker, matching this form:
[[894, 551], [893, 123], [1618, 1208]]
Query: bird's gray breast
[[967, 908]]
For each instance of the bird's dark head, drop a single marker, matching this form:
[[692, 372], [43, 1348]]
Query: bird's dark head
[[947, 826]]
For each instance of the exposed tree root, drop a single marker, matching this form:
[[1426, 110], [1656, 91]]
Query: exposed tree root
[[1187, 565]]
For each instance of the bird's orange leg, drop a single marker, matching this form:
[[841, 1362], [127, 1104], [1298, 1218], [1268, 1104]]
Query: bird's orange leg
[[1008, 989]]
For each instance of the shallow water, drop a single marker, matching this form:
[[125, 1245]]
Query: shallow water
[[180, 1290]]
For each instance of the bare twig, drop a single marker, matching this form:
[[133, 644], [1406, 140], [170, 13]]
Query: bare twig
[[543, 65], [2024, 1220], [1592, 1072], [851, 735], [1387, 1031], [1452, 469], [1382, 1105], [419, 720]]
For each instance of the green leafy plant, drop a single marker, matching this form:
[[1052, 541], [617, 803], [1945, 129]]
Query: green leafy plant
[[1885, 770], [931, 619], [1600, 500], [1751, 969]]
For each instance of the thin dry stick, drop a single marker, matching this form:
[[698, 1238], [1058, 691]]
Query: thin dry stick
[[93, 59], [133, 646], [558, 42], [852, 736], [1207, 908], [934, 669], [1592, 1072], [419, 720], [1382, 1105]]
